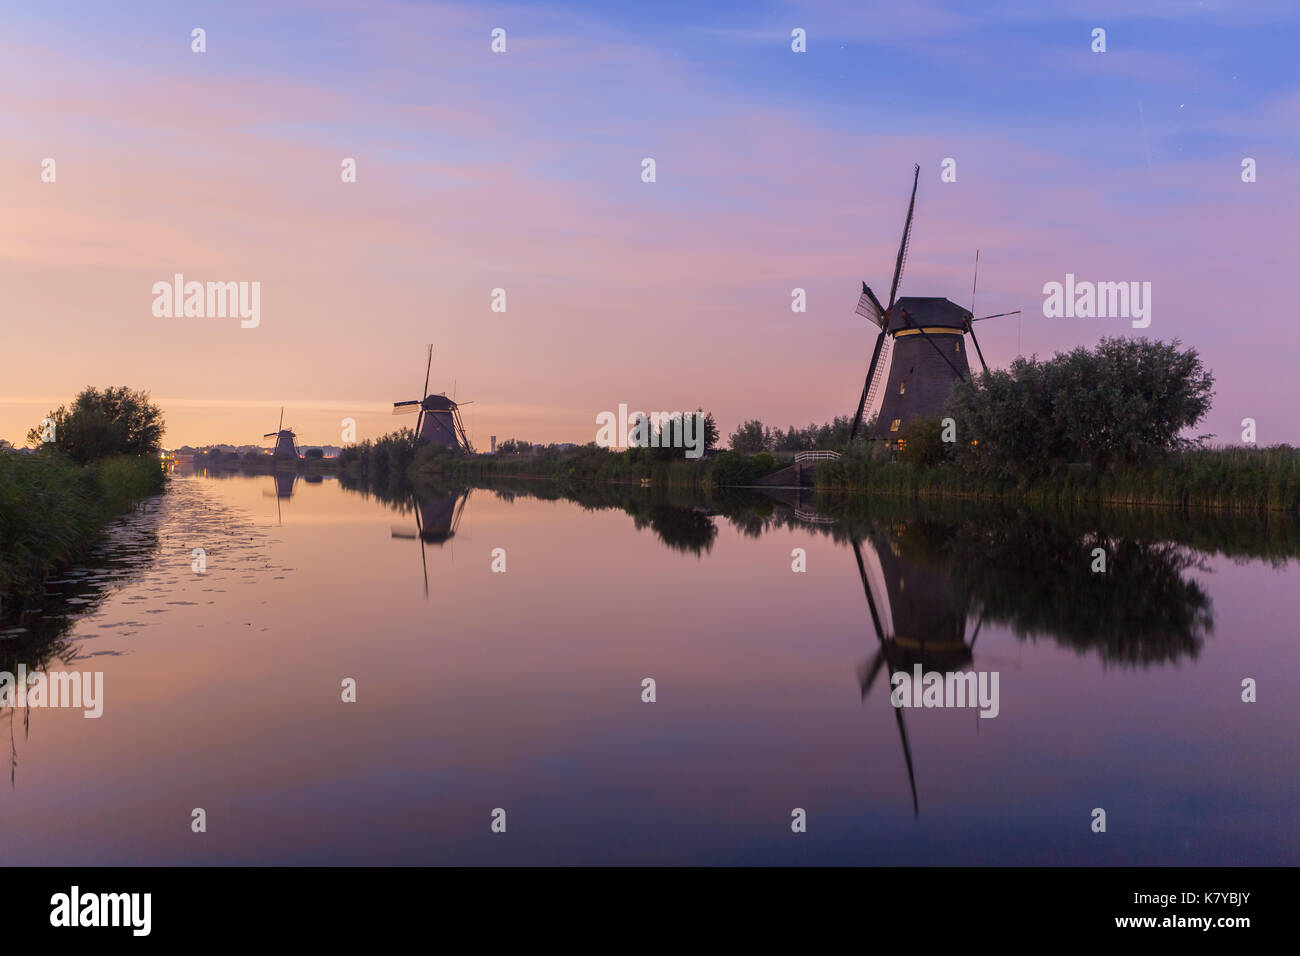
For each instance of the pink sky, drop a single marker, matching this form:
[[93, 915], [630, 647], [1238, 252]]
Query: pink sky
[[516, 172]]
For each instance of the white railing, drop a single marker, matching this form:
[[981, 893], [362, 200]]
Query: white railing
[[804, 456]]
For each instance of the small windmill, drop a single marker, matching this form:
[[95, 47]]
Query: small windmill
[[285, 440], [920, 343], [439, 421]]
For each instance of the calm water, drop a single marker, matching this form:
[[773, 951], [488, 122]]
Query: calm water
[[523, 690]]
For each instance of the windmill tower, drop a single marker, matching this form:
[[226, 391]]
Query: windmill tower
[[921, 343], [285, 446], [439, 420]]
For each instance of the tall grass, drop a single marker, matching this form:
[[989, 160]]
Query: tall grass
[[51, 511], [1264, 479]]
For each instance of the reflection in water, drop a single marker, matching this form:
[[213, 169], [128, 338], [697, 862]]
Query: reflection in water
[[39, 635], [917, 617], [437, 516], [767, 708], [932, 582], [283, 482]]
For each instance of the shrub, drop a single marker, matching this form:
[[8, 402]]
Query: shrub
[[731, 468], [116, 421]]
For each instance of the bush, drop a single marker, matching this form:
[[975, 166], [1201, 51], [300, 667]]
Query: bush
[[116, 421], [316, 454], [921, 442], [731, 468], [765, 462], [1126, 402]]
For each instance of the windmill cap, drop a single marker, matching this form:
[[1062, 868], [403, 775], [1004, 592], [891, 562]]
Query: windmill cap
[[923, 311], [435, 403]]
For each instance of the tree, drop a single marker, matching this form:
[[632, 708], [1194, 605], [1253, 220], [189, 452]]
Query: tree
[[750, 438], [710, 431], [1126, 401], [100, 424]]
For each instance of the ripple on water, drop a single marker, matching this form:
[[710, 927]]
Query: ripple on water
[[146, 556]]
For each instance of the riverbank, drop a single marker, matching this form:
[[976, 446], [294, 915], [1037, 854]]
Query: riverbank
[[52, 511], [1265, 479]]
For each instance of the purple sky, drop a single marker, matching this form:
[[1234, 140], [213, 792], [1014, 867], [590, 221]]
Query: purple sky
[[522, 171]]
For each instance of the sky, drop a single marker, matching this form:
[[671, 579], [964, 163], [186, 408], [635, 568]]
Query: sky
[[522, 171]]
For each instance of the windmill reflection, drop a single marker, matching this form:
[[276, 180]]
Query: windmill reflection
[[917, 616], [437, 516], [283, 482]]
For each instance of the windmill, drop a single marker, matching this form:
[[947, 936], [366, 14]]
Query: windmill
[[920, 343], [436, 520], [439, 420], [285, 446]]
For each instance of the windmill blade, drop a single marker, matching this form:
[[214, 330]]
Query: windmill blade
[[869, 306], [427, 368], [978, 351], [902, 246], [866, 589], [907, 756], [281, 418], [270, 434], [405, 408], [866, 386], [996, 315]]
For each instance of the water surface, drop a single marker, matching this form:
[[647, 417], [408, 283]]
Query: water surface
[[522, 690]]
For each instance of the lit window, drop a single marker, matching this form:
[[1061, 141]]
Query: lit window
[[902, 388], [956, 346], [895, 424], [902, 443]]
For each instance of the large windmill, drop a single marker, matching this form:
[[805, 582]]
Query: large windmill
[[924, 338], [439, 417], [285, 444]]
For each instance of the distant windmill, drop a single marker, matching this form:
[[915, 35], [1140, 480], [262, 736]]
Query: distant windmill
[[439, 417], [285, 445], [923, 336]]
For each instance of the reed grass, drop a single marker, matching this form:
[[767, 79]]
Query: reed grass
[[1264, 479], [52, 510]]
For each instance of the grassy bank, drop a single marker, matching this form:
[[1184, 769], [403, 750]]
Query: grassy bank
[[1265, 479], [52, 510]]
